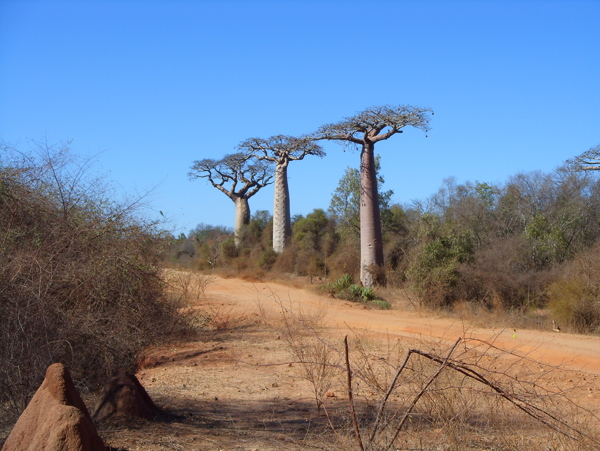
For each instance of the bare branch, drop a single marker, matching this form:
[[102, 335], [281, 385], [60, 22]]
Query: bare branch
[[231, 170], [350, 395], [587, 161], [444, 362]]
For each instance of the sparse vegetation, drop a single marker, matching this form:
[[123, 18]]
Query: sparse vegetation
[[574, 299], [345, 288], [465, 391], [81, 282]]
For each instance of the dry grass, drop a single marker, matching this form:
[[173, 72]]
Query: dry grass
[[473, 394]]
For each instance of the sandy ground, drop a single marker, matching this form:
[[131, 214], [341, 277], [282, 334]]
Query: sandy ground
[[574, 351], [240, 387]]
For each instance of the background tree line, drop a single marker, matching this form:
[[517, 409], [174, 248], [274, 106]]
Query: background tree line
[[529, 242]]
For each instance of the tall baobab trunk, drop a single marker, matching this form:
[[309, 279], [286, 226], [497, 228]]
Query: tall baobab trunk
[[371, 239], [242, 217], [365, 129], [280, 150], [281, 209]]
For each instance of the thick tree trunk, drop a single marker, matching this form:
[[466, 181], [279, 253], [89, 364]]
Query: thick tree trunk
[[242, 217], [371, 241], [281, 209]]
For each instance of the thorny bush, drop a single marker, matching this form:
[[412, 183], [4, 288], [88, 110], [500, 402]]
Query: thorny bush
[[79, 277]]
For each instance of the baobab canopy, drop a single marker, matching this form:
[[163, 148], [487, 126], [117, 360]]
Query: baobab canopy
[[376, 124], [587, 161]]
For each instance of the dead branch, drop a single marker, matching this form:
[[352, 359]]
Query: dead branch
[[350, 397]]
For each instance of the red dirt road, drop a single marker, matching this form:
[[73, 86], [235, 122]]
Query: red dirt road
[[240, 386], [576, 352]]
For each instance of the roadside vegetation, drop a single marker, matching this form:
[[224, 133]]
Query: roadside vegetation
[[80, 275], [523, 251]]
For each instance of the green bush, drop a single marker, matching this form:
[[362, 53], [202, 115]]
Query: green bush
[[267, 259], [229, 249], [433, 271], [355, 292], [345, 288], [367, 293], [338, 285], [380, 304], [342, 283]]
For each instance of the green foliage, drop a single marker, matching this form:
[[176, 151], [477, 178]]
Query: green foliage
[[486, 193], [342, 283], [367, 293], [202, 248], [355, 292], [204, 232], [313, 240], [229, 248], [549, 245], [254, 234], [345, 202], [338, 285], [434, 263], [345, 288], [310, 232], [267, 259], [380, 304]]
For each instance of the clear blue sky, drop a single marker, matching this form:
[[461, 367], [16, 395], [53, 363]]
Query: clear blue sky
[[152, 86]]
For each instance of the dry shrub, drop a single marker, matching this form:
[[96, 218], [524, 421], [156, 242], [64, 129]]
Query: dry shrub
[[346, 260], [471, 395], [80, 281], [499, 280], [574, 300], [575, 305], [189, 287], [317, 359], [286, 261]]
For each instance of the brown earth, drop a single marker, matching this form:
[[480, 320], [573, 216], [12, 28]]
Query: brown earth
[[241, 386]]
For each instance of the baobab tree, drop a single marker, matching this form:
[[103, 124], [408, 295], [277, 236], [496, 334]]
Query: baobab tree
[[365, 129], [587, 161], [280, 150], [239, 176]]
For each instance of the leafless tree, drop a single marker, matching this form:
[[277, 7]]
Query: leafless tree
[[281, 150], [239, 176], [587, 161], [365, 129]]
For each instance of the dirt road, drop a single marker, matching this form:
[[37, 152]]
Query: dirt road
[[240, 388], [577, 352]]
